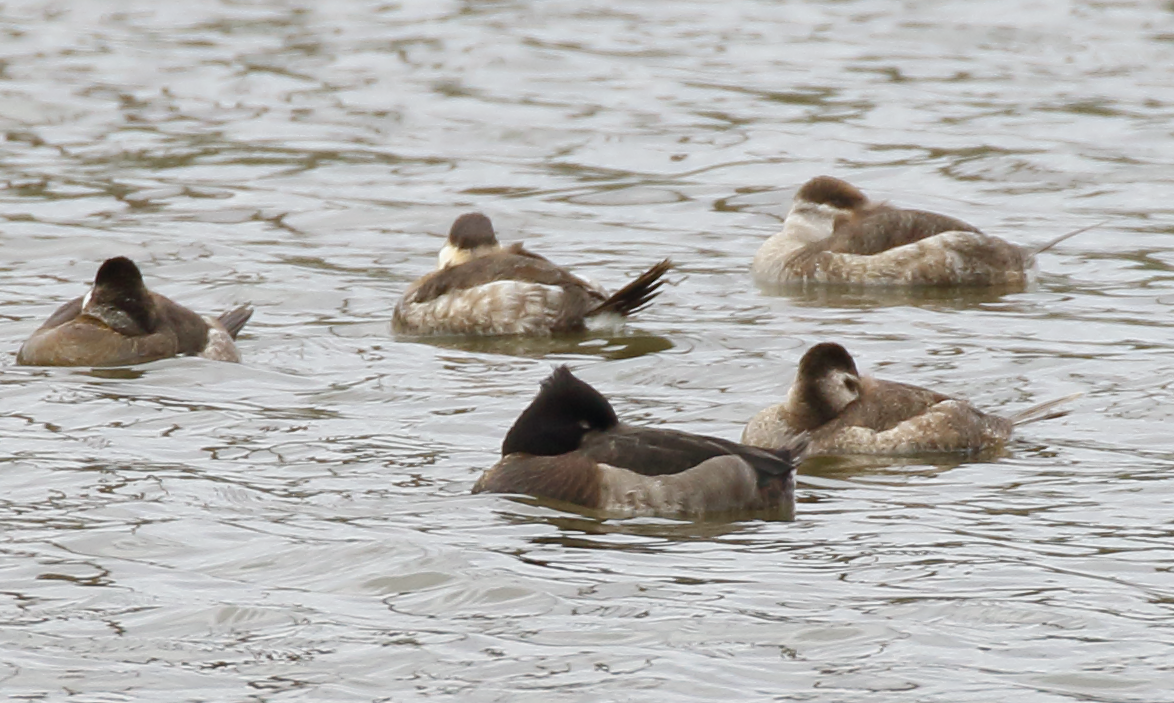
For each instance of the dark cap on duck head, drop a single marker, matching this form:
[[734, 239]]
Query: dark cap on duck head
[[472, 230], [119, 285], [118, 273], [564, 410], [824, 358], [826, 190], [826, 383]]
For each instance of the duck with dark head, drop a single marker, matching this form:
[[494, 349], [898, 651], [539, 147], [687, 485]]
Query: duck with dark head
[[835, 235], [845, 412], [482, 288], [570, 446], [120, 322]]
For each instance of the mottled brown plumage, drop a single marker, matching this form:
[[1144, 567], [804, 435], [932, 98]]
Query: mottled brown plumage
[[483, 289], [878, 228], [835, 235], [847, 413]]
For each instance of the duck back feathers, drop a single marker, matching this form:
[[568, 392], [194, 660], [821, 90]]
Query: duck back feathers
[[876, 230]]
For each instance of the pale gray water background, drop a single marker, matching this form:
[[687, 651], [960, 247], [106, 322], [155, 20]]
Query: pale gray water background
[[299, 527]]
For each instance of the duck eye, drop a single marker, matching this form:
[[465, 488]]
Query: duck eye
[[584, 424]]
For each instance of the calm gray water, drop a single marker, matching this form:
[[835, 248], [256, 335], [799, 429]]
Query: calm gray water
[[299, 527]]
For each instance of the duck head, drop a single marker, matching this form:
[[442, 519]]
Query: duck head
[[819, 204], [120, 299], [471, 236], [555, 422], [827, 382]]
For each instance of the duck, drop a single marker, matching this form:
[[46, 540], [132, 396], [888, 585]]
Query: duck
[[481, 288], [844, 412], [834, 234], [568, 445], [119, 322]]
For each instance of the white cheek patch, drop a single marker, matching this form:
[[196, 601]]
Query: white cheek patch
[[808, 223], [455, 256], [87, 298], [451, 256], [838, 389], [831, 211]]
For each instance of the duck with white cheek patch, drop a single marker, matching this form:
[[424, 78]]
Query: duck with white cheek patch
[[481, 288], [845, 412], [835, 235]]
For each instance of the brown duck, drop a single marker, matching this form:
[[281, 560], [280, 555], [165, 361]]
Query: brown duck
[[481, 288], [835, 235], [119, 322], [845, 412]]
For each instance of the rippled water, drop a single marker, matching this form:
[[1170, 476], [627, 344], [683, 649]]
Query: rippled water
[[299, 527]]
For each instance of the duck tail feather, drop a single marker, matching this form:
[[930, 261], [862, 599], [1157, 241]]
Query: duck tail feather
[[793, 447], [1044, 411], [636, 295], [234, 320], [1044, 247]]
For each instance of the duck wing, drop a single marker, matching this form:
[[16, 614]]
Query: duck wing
[[63, 314], [885, 404], [655, 452], [886, 228], [188, 330], [521, 250]]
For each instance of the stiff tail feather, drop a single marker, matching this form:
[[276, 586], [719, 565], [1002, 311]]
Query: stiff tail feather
[[636, 295], [1040, 249], [1044, 411], [794, 447], [234, 320]]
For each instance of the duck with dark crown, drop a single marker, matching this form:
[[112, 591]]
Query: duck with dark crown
[[834, 234], [119, 322], [847, 413], [482, 288], [569, 446]]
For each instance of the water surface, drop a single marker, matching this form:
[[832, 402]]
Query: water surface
[[299, 527]]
